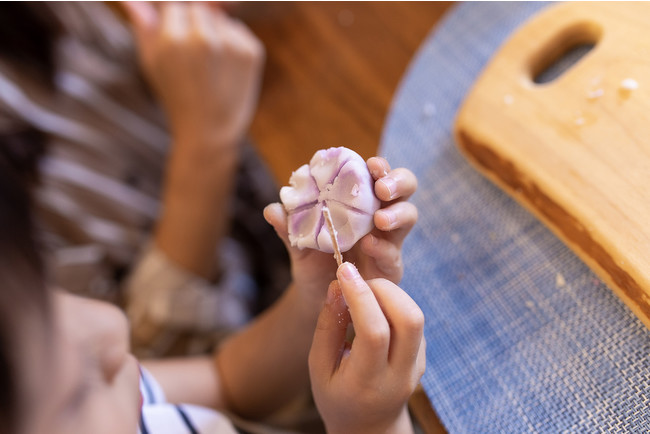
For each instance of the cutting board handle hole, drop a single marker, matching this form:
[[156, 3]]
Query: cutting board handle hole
[[564, 52], [561, 65]]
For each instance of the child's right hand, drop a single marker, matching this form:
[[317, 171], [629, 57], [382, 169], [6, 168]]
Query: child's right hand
[[364, 387]]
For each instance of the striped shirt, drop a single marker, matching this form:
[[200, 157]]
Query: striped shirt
[[100, 192], [160, 417]]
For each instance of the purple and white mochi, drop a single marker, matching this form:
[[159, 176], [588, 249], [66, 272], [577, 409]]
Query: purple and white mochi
[[337, 178]]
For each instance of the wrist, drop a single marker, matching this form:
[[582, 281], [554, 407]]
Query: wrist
[[200, 164], [208, 135], [399, 425], [196, 196]]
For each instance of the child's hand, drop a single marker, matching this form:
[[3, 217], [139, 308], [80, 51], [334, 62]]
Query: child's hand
[[364, 387], [204, 66], [379, 253]]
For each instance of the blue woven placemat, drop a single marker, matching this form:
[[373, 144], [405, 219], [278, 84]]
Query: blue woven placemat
[[522, 336]]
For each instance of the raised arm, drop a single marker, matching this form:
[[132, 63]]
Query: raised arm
[[205, 68]]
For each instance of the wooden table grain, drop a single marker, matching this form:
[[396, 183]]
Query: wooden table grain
[[331, 71]]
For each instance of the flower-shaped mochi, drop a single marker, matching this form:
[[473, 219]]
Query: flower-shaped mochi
[[337, 178]]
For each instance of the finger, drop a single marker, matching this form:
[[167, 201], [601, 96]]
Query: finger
[[369, 351], [140, 13], [246, 40], [378, 167], [239, 37], [406, 320], [329, 341], [398, 216], [175, 21], [144, 18], [208, 23], [386, 255], [399, 183], [276, 216]]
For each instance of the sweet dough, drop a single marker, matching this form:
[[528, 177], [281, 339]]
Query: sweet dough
[[339, 179]]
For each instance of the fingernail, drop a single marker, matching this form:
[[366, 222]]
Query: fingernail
[[347, 271], [390, 218], [390, 185]]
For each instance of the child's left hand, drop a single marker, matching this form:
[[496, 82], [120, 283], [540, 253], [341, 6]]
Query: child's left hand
[[379, 253]]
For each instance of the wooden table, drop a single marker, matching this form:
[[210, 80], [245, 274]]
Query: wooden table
[[331, 72]]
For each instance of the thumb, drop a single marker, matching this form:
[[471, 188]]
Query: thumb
[[276, 216], [329, 343]]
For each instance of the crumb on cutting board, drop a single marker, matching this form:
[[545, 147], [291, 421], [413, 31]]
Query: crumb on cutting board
[[629, 84], [594, 94]]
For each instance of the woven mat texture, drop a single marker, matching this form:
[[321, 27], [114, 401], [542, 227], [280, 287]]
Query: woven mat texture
[[522, 336]]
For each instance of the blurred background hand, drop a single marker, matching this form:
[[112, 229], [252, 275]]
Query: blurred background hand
[[204, 66]]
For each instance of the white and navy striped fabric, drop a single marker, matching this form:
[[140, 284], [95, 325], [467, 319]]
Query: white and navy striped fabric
[[160, 417]]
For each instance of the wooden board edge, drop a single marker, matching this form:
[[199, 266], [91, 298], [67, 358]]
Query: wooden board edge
[[507, 176]]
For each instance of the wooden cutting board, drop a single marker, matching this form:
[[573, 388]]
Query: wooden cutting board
[[574, 151]]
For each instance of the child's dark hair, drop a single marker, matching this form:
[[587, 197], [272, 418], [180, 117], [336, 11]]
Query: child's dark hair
[[23, 295], [27, 36]]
